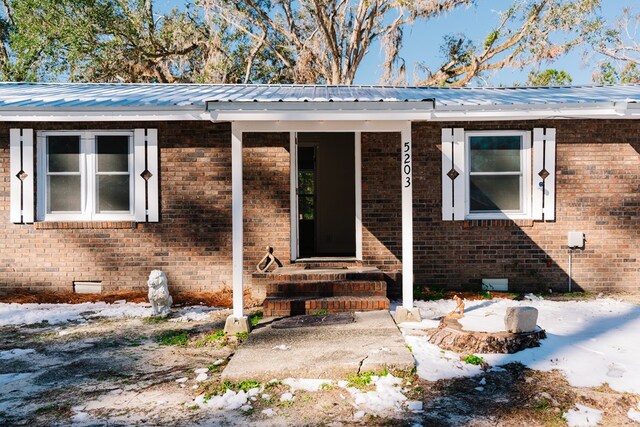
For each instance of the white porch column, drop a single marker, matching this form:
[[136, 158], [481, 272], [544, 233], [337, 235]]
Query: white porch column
[[237, 322], [407, 312]]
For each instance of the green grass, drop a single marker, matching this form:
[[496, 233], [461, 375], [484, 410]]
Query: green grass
[[321, 312], [485, 294], [472, 359], [242, 335], [363, 379], [254, 318], [212, 338], [179, 338]]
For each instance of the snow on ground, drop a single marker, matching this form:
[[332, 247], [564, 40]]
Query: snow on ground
[[587, 340], [583, 416], [634, 414], [15, 353], [26, 314]]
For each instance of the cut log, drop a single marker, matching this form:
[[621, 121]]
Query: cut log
[[451, 336]]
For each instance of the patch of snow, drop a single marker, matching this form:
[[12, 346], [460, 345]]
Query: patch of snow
[[268, 412], [634, 414], [266, 396], [228, 401], [479, 389], [359, 415], [15, 353], [282, 347], [433, 363], [415, 406], [201, 377], [286, 397], [26, 314], [201, 370], [245, 408], [583, 416], [483, 381], [305, 384], [387, 397], [532, 297], [218, 362], [343, 383], [80, 417], [195, 313], [182, 380], [11, 377], [587, 340]]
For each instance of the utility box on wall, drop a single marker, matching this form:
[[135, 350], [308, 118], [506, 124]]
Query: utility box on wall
[[575, 239]]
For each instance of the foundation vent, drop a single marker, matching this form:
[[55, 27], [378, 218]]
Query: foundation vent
[[87, 287]]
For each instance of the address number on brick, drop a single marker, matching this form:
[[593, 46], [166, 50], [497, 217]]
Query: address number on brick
[[406, 166]]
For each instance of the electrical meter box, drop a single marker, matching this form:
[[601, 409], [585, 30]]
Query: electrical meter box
[[575, 239]]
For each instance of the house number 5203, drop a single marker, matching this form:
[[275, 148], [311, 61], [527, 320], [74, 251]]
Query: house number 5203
[[406, 165]]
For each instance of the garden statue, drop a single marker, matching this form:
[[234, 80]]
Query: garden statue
[[459, 307], [159, 293]]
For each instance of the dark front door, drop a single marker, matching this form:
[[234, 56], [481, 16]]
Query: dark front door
[[326, 195]]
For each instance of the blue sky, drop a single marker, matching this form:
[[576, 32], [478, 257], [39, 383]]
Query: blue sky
[[422, 42]]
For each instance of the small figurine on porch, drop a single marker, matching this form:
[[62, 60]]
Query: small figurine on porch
[[159, 293], [267, 261], [459, 307]]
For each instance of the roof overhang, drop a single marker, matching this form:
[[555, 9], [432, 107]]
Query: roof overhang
[[314, 111]]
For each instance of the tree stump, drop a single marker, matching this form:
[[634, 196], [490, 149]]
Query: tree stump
[[451, 336]]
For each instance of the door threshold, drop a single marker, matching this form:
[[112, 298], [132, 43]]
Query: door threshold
[[326, 259]]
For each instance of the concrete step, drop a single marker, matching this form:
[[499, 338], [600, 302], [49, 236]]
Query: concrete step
[[327, 288], [278, 307]]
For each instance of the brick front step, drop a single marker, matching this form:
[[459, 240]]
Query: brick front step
[[295, 274], [327, 288], [278, 307]]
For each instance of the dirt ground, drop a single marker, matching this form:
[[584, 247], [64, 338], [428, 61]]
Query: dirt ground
[[125, 372]]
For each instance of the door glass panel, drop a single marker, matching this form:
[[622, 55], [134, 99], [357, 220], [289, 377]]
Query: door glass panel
[[64, 193], [495, 193], [495, 153], [113, 193], [63, 153], [113, 153]]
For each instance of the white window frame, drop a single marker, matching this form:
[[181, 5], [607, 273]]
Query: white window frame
[[525, 178], [88, 173]]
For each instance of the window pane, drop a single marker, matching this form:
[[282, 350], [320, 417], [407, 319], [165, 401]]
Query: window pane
[[64, 193], [305, 207], [113, 193], [305, 182], [113, 153], [64, 153], [495, 153], [495, 193]]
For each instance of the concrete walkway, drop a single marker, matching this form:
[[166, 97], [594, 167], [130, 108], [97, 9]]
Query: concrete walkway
[[371, 342]]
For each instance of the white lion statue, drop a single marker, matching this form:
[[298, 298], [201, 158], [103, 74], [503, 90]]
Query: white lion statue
[[159, 293]]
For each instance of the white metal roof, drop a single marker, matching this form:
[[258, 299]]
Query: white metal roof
[[102, 101], [47, 95]]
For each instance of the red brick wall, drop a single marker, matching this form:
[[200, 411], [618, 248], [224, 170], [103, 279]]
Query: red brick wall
[[597, 190], [192, 241]]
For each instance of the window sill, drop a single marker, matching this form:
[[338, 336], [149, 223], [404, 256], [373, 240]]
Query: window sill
[[55, 225]]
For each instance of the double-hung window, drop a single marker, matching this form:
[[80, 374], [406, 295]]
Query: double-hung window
[[86, 175], [498, 178], [498, 174]]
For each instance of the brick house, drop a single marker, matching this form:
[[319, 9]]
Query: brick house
[[430, 186]]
